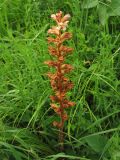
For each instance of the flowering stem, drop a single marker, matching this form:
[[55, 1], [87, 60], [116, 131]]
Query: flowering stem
[[61, 133], [59, 83]]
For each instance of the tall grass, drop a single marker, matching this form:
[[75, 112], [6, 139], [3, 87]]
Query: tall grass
[[93, 129]]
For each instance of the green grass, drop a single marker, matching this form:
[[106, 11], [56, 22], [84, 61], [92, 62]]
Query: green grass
[[26, 131]]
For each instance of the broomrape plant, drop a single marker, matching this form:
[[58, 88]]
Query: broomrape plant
[[59, 82]]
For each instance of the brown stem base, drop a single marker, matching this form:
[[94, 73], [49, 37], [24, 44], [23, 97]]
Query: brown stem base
[[61, 139]]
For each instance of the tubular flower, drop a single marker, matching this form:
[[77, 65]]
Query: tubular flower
[[59, 82]]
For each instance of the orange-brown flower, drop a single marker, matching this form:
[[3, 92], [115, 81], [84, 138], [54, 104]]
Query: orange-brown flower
[[66, 68], [56, 108], [52, 40], [51, 63], [59, 82], [54, 30], [57, 124], [65, 50], [62, 22], [65, 18], [65, 36], [53, 51], [57, 17]]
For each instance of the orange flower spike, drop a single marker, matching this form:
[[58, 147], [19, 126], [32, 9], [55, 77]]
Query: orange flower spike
[[59, 83]]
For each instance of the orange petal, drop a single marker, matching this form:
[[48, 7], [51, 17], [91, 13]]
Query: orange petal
[[65, 79], [59, 16], [52, 40], [66, 49], [65, 18], [68, 86], [51, 63], [60, 95], [57, 124], [53, 84], [67, 104], [53, 16], [56, 108], [54, 31], [64, 116], [53, 51], [54, 98], [52, 76], [66, 68], [61, 59], [66, 36]]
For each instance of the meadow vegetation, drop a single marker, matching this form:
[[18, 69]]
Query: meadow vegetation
[[93, 129]]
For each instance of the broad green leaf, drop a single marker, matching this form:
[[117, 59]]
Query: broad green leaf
[[97, 142], [89, 3], [102, 12], [114, 8]]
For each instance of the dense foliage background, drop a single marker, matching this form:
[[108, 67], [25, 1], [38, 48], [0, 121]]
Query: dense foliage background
[[93, 129]]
